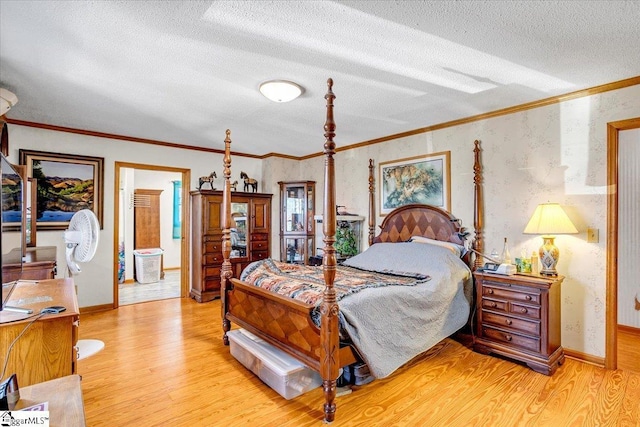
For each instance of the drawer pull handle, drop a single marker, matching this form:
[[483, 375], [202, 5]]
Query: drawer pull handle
[[508, 337], [523, 310], [528, 298], [493, 304], [508, 321], [489, 291]]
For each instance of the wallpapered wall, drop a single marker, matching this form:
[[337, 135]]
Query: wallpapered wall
[[555, 153]]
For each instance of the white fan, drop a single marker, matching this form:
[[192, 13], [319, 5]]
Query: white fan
[[81, 240]]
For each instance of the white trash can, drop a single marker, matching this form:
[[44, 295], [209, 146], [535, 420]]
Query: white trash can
[[148, 265]]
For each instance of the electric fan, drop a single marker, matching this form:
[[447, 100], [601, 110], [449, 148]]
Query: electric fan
[[81, 241]]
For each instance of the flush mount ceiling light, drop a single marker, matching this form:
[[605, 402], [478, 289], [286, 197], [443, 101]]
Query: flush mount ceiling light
[[281, 90], [7, 100]]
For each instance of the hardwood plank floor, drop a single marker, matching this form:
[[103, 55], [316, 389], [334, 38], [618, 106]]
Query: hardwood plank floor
[[164, 364]]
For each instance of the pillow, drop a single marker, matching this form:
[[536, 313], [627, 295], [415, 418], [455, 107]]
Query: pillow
[[401, 259], [453, 247]]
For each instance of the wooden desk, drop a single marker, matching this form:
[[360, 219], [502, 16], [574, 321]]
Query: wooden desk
[[47, 349], [64, 395]]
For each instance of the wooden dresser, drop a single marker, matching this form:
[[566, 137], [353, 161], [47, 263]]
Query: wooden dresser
[[251, 216], [46, 350], [39, 264], [519, 317]]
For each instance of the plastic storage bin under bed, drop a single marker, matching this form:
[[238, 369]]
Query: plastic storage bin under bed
[[278, 370]]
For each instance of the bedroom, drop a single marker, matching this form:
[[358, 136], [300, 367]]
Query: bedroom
[[565, 128]]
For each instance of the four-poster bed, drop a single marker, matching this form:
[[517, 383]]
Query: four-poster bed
[[317, 331]]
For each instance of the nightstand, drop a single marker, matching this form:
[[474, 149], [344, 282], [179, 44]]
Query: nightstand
[[519, 317]]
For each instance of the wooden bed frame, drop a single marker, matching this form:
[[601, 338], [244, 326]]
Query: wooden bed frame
[[286, 323]]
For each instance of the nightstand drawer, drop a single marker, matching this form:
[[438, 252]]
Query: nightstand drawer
[[525, 310], [511, 294], [521, 325], [528, 343], [496, 305]]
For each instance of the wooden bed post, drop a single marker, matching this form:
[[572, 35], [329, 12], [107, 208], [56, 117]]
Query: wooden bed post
[[372, 203], [226, 273], [478, 205], [329, 349]]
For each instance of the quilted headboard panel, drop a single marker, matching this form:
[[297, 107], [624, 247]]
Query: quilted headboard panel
[[419, 220]]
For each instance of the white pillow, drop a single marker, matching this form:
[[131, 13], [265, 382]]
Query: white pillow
[[453, 247]]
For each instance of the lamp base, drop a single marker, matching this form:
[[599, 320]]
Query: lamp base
[[549, 255]]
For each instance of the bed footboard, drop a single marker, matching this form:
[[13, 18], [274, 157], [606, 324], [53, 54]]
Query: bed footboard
[[283, 322]]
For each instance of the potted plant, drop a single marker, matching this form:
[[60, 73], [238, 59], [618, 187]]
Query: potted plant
[[346, 242]]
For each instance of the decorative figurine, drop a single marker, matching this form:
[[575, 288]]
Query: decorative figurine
[[249, 182], [208, 179], [234, 186]]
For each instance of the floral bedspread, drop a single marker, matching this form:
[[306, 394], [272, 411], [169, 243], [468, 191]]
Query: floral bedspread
[[306, 283]]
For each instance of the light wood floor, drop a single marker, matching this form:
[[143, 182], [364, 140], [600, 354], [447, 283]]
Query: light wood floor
[[164, 364], [135, 292]]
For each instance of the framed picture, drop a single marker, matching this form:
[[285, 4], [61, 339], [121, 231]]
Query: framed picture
[[66, 184], [423, 179]]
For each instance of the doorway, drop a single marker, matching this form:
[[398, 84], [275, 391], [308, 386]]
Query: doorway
[[179, 275], [611, 327]]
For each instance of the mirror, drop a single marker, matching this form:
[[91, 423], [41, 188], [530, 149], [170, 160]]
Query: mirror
[[239, 230]]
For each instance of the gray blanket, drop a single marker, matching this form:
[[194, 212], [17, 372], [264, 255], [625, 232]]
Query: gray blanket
[[390, 326]]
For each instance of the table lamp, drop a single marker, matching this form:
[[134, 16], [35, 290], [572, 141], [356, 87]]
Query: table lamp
[[549, 219]]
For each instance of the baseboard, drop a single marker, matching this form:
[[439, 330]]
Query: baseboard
[[96, 308], [584, 357], [629, 330]]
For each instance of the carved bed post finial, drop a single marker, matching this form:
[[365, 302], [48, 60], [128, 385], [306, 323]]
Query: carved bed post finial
[[478, 222], [329, 352], [372, 203], [226, 273]]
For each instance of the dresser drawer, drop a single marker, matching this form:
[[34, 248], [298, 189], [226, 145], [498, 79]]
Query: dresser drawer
[[511, 294], [259, 255], [520, 325], [213, 247], [259, 236], [260, 245], [212, 272], [527, 343], [525, 310], [212, 259], [496, 305]]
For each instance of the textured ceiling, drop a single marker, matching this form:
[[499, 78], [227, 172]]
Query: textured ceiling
[[183, 72]]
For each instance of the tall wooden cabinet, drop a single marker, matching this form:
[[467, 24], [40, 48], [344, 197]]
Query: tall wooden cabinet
[[250, 230], [297, 227]]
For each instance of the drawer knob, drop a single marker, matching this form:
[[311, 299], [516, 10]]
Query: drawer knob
[[528, 297], [489, 291], [508, 321], [493, 304], [523, 310], [508, 337]]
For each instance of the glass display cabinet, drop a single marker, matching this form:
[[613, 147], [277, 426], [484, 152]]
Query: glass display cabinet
[[297, 205]]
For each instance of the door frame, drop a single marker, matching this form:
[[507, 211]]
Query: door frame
[[611, 305], [186, 224]]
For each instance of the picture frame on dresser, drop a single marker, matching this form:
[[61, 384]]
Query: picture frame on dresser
[[424, 179], [66, 183]]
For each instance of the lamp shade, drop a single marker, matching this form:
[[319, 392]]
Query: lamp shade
[[550, 218], [280, 90]]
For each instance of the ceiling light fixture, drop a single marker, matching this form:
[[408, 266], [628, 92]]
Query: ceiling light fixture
[[7, 100], [281, 90]]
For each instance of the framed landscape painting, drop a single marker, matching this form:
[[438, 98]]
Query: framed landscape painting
[[67, 183], [423, 179]]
